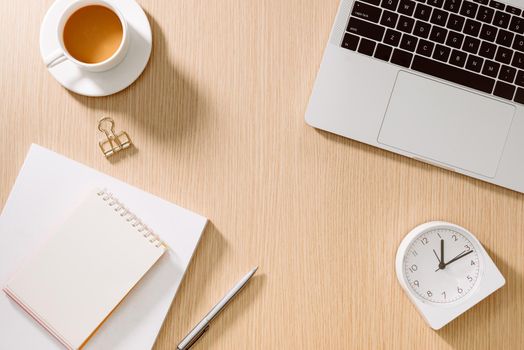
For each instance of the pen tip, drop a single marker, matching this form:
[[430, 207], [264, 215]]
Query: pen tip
[[255, 269]]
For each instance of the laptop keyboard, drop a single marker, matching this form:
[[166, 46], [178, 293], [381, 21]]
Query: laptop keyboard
[[478, 44]]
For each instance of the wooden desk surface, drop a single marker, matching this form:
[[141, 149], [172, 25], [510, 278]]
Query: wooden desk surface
[[217, 118]]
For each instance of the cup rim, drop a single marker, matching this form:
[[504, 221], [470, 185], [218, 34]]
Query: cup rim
[[63, 21]]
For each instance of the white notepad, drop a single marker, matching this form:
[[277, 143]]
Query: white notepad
[[47, 189], [85, 269]]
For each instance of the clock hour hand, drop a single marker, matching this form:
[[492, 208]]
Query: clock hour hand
[[441, 264]]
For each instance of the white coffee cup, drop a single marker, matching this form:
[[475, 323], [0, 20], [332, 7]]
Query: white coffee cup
[[60, 55]]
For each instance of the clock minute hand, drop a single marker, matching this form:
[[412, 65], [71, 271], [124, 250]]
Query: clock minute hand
[[460, 256]]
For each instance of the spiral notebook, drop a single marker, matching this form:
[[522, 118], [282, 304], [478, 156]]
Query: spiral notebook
[[46, 193], [85, 269]]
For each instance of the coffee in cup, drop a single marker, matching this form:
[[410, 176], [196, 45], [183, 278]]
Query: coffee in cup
[[92, 34]]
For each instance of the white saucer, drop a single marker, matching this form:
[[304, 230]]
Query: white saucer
[[104, 83]]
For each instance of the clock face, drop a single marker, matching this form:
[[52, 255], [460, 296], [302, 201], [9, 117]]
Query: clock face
[[442, 265]]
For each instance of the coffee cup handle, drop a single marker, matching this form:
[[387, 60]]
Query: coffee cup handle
[[55, 58]]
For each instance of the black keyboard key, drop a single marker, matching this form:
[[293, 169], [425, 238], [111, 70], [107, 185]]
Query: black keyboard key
[[483, 2], [496, 4], [513, 10], [501, 19], [485, 14], [519, 43], [469, 9], [505, 38], [487, 50], [453, 74], [474, 63], [504, 90], [439, 17], [365, 29], [519, 95], [402, 58], [516, 25], [366, 46], [519, 79], [458, 58], [491, 69], [438, 34], [383, 52], [518, 60], [488, 32], [389, 4], [405, 24], [389, 19], [425, 47], [503, 55], [436, 3], [441, 53], [422, 12], [507, 74], [455, 40], [455, 22], [350, 41], [452, 5], [392, 37], [408, 42], [367, 12], [372, 2], [422, 29], [406, 7], [472, 27], [471, 45]]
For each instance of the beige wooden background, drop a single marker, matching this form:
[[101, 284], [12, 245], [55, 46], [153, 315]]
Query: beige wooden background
[[217, 118]]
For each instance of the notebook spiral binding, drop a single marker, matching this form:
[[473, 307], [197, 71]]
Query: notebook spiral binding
[[131, 218]]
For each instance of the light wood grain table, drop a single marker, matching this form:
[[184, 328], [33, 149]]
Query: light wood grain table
[[217, 118]]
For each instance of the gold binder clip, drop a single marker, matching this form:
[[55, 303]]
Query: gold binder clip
[[114, 142]]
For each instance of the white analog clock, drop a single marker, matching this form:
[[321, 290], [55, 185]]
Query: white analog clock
[[445, 270], [442, 265]]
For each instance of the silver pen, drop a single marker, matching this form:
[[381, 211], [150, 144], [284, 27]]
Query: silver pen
[[203, 325]]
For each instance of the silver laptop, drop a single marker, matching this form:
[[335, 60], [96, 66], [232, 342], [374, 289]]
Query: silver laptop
[[441, 81]]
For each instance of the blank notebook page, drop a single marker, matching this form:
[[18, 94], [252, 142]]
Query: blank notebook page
[[81, 273]]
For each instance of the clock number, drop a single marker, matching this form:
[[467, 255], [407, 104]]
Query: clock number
[[415, 282], [413, 268], [429, 293], [454, 238], [469, 278], [444, 294], [414, 252], [459, 290], [472, 262], [425, 240], [439, 236], [467, 247]]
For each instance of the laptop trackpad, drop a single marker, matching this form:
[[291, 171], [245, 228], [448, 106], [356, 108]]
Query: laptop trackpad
[[442, 123]]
